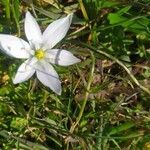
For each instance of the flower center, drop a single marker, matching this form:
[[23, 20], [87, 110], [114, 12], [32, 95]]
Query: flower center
[[39, 54]]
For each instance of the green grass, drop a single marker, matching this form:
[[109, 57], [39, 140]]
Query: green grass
[[106, 97]]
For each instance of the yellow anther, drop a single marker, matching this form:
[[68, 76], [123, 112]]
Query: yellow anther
[[39, 54]]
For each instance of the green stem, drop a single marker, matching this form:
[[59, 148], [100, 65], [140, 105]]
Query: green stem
[[86, 95], [32, 7], [7, 7], [83, 10], [16, 20]]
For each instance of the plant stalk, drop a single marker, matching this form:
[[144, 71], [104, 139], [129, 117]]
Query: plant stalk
[[86, 95]]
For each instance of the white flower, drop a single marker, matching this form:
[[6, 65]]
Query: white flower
[[39, 52]]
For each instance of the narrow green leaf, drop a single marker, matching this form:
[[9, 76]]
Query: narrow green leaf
[[121, 128], [124, 10]]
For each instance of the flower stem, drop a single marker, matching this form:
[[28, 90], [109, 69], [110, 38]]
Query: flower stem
[[86, 95], [7, 7]]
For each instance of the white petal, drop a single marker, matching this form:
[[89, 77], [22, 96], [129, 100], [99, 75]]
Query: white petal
[[32, 30], [14, 46], [48, 76], [56, 31], [25, 71], [61, 57]]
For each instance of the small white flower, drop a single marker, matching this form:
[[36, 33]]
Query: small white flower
[[39, 52]]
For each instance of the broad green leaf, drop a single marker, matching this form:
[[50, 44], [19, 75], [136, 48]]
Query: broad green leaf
[[115, 18], [137, 24]]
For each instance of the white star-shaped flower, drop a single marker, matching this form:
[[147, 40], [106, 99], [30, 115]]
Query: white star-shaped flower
[[39, 52]]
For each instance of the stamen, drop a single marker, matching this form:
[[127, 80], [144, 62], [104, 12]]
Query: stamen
[[40, 54]]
